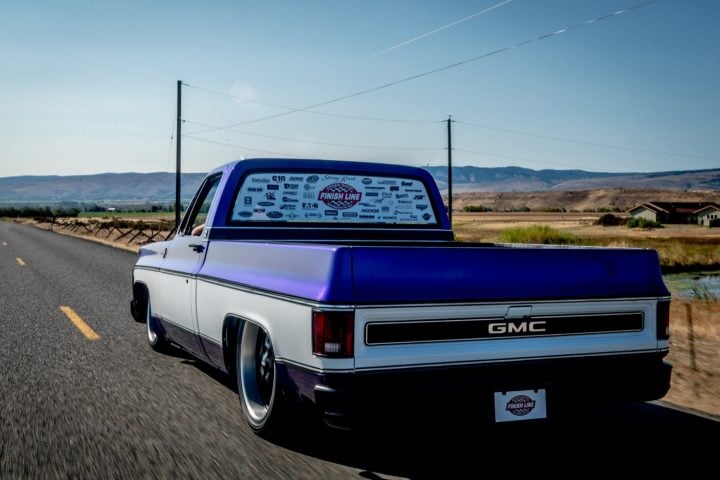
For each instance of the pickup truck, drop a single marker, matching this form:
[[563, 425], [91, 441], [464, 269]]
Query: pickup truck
[[340, 286]]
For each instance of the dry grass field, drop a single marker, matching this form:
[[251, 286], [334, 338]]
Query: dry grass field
[[486, 226], [681, 247], [621, 199]]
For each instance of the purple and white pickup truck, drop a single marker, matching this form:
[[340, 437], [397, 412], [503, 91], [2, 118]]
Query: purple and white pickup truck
[[339, 285]]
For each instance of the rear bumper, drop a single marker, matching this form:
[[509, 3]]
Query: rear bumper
[[570, 383]]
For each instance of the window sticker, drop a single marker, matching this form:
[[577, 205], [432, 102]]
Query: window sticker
[[332, 198]]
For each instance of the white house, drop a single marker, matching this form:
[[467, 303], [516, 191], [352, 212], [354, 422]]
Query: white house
[[650, 211], [703, 213], [708, 216]]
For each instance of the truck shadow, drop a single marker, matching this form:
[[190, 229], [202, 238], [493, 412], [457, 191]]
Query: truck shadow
[[643, 437]]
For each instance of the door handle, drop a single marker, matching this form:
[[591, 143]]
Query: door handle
[[197, 247]]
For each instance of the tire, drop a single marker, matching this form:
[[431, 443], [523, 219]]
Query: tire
[[260, 396], [155, 334]]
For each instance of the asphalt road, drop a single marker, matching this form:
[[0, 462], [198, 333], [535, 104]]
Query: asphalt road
[[109, 407]]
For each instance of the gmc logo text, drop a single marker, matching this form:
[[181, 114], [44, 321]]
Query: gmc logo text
[[499, 328]]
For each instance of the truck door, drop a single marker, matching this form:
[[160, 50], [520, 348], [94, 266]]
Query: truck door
[[175, 302]]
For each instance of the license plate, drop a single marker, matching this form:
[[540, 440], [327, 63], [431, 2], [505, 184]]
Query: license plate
[[520, 405]]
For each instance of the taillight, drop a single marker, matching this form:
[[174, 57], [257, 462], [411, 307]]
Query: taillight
[[333, 333], [662, 316]]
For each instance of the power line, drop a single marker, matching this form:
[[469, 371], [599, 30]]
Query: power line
[[235, 97], [313, 112], [375, 119], [583, 142], [432, 32], [242, 147], [379, 119], [446, 67], [172, 137], [290, 155], [273, 137], [441, 139]]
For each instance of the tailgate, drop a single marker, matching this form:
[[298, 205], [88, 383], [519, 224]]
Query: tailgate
[[414, 336], [436, 274]]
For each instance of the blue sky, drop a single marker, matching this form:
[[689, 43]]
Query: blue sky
[[89, 86]]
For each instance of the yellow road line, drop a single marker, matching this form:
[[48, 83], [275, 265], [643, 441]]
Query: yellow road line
[[21, 262], [84, 328]]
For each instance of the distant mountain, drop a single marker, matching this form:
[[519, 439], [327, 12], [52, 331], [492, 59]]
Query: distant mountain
[[609, 199], [160, 187], [516, 179], [104, 187]]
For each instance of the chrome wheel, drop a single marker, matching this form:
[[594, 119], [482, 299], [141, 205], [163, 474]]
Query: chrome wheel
[[257, 385], [155, 336], [265, 359], [152, 336]]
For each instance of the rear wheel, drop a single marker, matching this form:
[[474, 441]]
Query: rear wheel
[[260, 397], [155, 334]]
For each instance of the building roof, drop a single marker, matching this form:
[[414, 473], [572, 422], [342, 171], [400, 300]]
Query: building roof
[[712, 206], [649, 206], [677, 208]]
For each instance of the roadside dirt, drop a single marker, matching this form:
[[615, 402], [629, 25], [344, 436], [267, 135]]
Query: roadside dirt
[[695, 355], [107, 232]]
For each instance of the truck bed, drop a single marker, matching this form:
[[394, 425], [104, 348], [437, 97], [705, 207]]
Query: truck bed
[[447, 272]]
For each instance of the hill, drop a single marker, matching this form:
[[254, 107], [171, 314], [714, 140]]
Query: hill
[[160, 187], [617, 199], [517, 179], [103, 187]]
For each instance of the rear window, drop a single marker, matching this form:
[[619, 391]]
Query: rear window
[[332, 198]]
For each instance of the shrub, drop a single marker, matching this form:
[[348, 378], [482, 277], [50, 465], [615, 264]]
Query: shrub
[[609, 220], [476, 208], [38, 213], [537, 234], [642, 223], [702, 292], [602, 210]]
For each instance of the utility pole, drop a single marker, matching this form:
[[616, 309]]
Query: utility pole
[[450, 181], [177, 157]]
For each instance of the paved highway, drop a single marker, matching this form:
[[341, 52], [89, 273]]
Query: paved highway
[[83, 396]]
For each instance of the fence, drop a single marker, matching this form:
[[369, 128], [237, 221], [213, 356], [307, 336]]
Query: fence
[[128, 232]]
